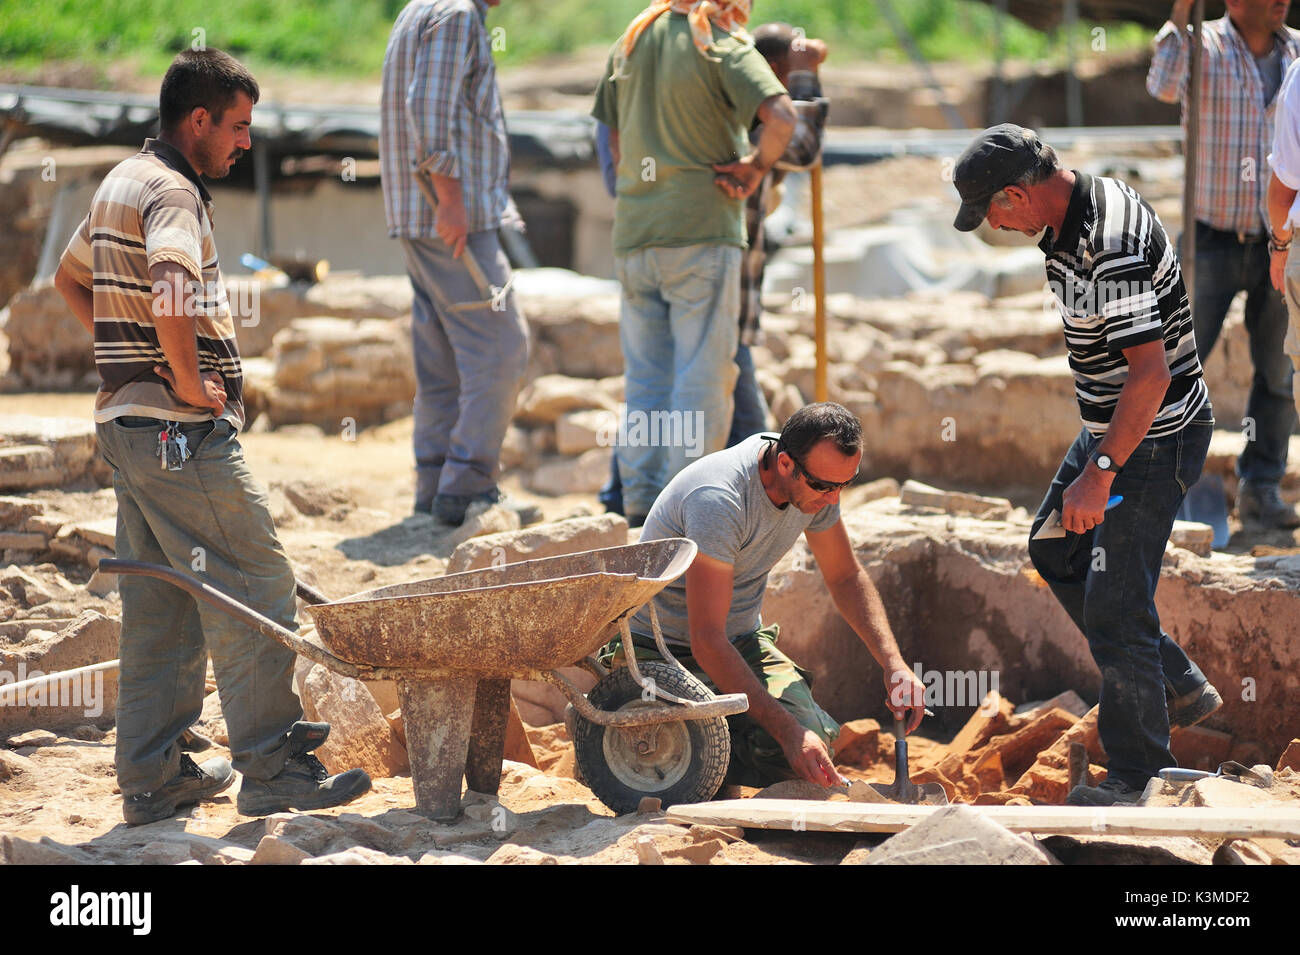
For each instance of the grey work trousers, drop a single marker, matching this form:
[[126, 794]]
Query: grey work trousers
[[469, 365], [209, 520]]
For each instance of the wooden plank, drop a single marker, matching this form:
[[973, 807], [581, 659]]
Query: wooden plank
[[801, 814]]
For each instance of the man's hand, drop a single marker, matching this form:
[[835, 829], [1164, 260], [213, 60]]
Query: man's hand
[[806, 54], [1277, 270], [452, 226], [449, 218], [807, 756], [1083, 505], [211, 393], [1181, 15], [739, 179], [905, 694]]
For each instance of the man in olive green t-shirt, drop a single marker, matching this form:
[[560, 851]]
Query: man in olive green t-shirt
[[679, 93]]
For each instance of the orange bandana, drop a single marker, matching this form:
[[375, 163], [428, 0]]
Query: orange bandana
[[703, 15]]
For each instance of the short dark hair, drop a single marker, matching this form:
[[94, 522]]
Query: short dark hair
[[207, 78], [825, 420], [773, 40]]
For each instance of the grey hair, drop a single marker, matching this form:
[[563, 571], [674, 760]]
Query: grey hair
[[1046, 164]]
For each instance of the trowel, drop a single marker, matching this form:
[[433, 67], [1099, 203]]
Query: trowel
[[1231, 770], [902, 789]]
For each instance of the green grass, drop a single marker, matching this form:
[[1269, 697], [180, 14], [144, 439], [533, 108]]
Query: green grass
[[347, 37]]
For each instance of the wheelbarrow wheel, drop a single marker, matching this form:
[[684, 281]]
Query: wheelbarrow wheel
[[687, 760]]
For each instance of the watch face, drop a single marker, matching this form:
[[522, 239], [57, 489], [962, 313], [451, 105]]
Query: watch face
[[1103, 462]]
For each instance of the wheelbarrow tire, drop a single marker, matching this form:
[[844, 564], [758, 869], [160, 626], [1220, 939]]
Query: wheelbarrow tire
[[691, 756]]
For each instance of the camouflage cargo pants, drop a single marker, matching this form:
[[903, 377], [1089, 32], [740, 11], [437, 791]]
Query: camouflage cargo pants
[[756, 758]]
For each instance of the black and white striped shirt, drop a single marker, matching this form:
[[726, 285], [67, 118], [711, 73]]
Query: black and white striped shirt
[[1117, 282]]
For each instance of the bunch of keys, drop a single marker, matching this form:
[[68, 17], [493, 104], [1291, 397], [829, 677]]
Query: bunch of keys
[[173, 447]]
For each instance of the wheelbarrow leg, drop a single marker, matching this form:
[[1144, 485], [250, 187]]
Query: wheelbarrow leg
[[438, 715], [487, 742]]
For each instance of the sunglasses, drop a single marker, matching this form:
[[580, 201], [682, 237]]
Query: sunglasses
[[815, 483]]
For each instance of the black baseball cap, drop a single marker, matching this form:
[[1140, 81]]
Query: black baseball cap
[[998, 157]]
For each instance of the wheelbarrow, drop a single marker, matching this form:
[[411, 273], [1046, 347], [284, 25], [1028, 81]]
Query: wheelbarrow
[[452, 644]]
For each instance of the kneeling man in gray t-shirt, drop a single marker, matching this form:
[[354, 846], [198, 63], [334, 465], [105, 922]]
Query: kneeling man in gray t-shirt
[[745, 507]]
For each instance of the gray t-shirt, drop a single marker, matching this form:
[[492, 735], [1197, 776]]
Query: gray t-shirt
[[1270, 72], [719, 502]]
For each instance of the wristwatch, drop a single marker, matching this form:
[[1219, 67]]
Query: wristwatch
[[1105, 462]]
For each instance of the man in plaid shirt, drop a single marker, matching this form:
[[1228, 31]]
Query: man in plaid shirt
[[1244, 56], [441, 117]]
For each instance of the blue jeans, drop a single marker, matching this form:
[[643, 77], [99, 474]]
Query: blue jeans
[[749, 417], [1224, 267], [1106, 580], [469, 367], [750, 414], [679, 328]]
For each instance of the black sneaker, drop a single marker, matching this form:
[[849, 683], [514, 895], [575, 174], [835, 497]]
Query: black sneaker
[[1111, 792], [450, 509], [303, 782], [1263, 504], [190, 785], [1190, 708]]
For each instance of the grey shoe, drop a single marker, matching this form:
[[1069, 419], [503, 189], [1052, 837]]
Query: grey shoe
[[1263, 504], [1111, 792], [190, 785], [1194, 706], [303, 783]]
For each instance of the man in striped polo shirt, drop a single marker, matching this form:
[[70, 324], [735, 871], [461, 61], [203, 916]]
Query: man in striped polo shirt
[[1147, 426], [141, 274], [445, 160]]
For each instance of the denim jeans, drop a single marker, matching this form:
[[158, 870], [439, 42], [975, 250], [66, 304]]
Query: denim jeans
[[750, 414], [210, 520], [1106, 580], [1224, 267], [679, 327], [749, 417], [469, 367]]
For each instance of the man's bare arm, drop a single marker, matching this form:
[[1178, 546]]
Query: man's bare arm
[[859, 603], [1083, 505], [177, 337], [1280, 198], [80, 299], [709, 585], [740, 178]]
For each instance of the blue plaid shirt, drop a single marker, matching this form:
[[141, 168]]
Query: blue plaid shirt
[[440, 100]]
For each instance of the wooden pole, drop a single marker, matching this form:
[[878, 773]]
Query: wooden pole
[[819, 280], [1191, 146]]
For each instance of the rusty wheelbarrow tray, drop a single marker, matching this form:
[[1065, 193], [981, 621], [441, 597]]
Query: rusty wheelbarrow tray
[[452, 644]]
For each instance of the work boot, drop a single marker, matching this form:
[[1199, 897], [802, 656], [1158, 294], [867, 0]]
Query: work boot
[[1263, 504], [303, 783], [190, 785], [450, 509], [1111, 792], [1194, 706]]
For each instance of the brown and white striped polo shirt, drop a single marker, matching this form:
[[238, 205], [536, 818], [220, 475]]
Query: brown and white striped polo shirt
[[153, 208]]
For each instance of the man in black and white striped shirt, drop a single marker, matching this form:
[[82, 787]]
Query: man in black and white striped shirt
[[1147, 425]]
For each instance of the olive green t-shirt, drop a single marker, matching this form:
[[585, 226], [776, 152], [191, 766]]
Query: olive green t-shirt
[[677, 113]]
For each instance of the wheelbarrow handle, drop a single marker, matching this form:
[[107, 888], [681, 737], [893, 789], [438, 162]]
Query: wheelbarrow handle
[[224, 602]]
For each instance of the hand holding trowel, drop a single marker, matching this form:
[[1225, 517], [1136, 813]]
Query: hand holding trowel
[[902, 789], [423, 178]]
